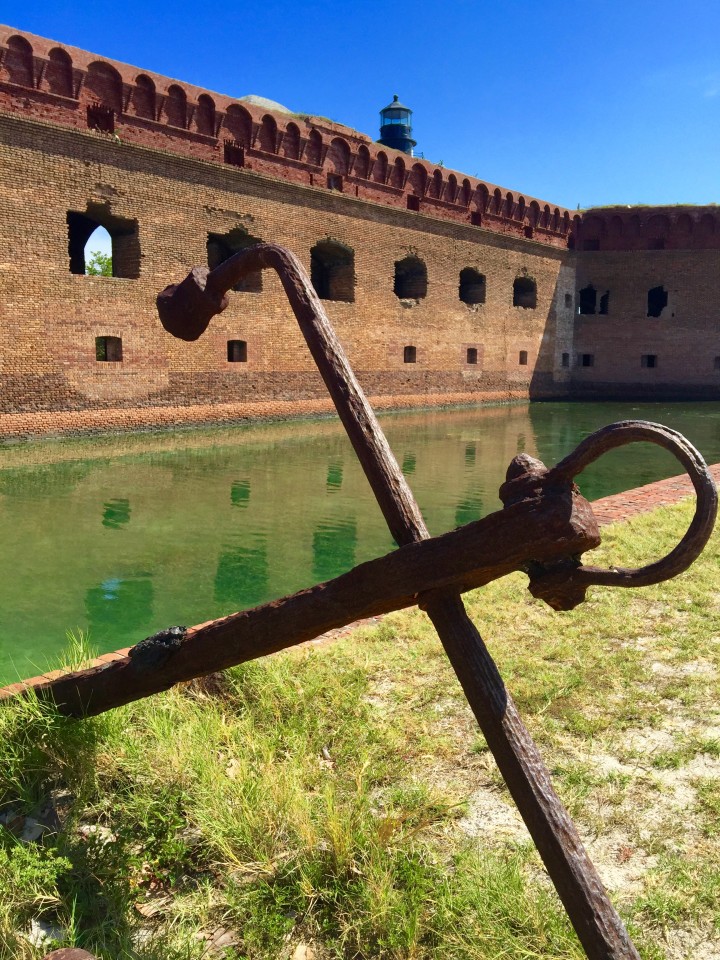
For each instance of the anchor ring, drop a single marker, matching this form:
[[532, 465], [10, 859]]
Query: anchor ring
[[698, 533]]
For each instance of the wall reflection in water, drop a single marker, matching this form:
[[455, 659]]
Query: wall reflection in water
[[241, 578], [127, 536]]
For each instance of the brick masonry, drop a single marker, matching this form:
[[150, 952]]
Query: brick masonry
[[614, 509], [86, 141]]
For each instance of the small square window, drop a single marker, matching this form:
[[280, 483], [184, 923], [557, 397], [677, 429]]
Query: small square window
[[586, 359], [335, 182], [522, 359], [472, 355], [476, 218], [108, 349], [233, 153], [566, 360], [716, 363], [528, 231], [237, 351], [410, 355], [648, 361], [413, 203], [100, 118]]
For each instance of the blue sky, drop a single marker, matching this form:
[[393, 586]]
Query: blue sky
[[578, 102]]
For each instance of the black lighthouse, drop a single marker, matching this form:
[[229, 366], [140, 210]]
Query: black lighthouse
[[396, 127]]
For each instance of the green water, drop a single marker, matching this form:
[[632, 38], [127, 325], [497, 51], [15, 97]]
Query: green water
[[124, 536]]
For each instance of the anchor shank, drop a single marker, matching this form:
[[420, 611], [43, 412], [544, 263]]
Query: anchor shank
[[594, 918]]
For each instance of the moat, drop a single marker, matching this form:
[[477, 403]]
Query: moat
[[122, 536]]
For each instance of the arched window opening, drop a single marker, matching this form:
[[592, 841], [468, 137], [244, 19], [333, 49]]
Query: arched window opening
[[268, 134], [108, 349], [362, 162], [418, 180], [452, 188], [58, 75], [222, 246], [509, 205], [338, 157], [472, 286], [238, 124], [86, 239], [144, 98], [104, 85], [587, 300], [546, 216], [332, 271], [409, 354], [521, 209], [19, 62], [657, 300], [291, 142], [534, 213], [313, 154], [466, 193], [497, 202], [398, 174], [237, 351], [205, 115], [436, 188], [482, 198], [380, 168], [176, 107], [525, 293], [410, 279]]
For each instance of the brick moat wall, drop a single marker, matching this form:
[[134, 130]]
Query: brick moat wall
[[166, 208], [442, 288]]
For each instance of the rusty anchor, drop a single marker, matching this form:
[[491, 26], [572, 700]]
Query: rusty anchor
[[544, 528]]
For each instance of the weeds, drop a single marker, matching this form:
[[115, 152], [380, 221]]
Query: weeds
[[319, 797]]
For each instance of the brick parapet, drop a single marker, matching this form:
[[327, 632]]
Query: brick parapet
[[678, 227], [617, 508], [54, 82]]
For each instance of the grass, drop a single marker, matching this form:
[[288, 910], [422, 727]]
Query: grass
[[342, 798]]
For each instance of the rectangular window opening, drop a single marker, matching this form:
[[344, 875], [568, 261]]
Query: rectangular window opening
[[233, 153], [566, 360], [522, 358], [108, 349], [716, 363], [335, 182], [586, 359], [237, 351], [472, 355], [410, 355], [648, 361], [413, 203], [476, 218], [100, 118]]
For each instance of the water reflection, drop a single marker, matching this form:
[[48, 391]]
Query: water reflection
[[241, 578], [334, 476], [116, 513], [408, 465], [334, 544], [469, 509], [225, 519], [119, 604], [240, 493]]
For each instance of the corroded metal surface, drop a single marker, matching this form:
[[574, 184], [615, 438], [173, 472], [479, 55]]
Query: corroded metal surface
[[544, 528]]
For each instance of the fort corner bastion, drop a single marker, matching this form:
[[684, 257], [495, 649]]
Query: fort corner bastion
[[442, 288]]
